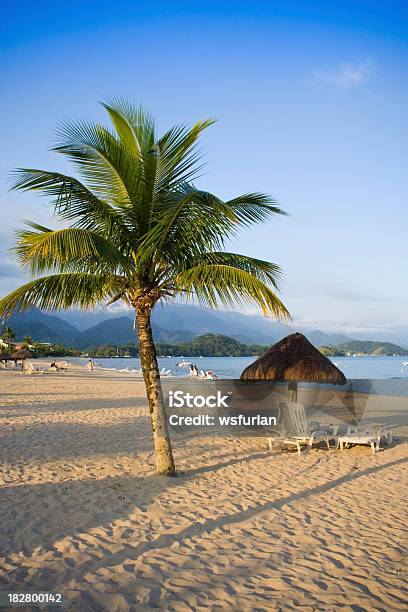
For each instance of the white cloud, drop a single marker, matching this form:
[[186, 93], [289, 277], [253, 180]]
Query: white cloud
[[346, 75]]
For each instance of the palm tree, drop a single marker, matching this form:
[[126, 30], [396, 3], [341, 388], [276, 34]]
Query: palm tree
[[139, 231], [27, 341], [9, 335]]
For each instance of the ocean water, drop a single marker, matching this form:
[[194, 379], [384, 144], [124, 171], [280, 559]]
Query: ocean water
[[371, 367]]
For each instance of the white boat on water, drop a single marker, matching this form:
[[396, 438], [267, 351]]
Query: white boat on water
[[184, 364], [405, 363]]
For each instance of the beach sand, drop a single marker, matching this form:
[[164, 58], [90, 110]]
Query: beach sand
[[82, 512]]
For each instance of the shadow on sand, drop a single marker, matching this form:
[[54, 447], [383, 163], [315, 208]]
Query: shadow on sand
[[58, 503]]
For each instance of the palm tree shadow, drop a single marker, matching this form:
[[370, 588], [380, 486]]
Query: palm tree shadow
[[219, 466]]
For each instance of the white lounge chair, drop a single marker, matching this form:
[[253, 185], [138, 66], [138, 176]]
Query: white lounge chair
[[378, 429], [296, 428], [30, 369], [356, 437], [368, 435]]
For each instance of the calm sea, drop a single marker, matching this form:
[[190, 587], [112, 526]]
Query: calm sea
[[231, 367]]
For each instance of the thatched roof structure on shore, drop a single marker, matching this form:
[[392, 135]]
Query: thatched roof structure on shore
[[5, 357], [294, 359], [21, 354]]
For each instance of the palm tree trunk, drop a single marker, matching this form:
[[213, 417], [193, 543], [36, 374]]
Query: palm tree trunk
[[158, 418]]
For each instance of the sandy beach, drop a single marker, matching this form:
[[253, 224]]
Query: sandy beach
[[239, 528]]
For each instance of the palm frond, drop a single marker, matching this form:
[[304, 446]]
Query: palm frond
[[72, 201], [134, 125], [108, 167], [213, 284], [178, 155], [191, 222], [265, 271], [61, 291], [50, 250], [188, 222], [252, 208]]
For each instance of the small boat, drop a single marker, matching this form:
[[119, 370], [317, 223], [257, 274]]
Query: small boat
[[405, 363], [184, 364]]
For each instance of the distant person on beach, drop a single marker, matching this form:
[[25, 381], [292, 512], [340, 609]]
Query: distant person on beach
[[89, 365], [209, 375]]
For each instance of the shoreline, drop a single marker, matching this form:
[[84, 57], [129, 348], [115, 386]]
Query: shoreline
[[392, 386]]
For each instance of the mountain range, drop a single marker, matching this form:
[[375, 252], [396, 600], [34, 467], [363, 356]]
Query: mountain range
[[172, 323]]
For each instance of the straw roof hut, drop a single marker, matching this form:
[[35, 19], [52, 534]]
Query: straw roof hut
[[5, 356], [21, 354], [294, 359]]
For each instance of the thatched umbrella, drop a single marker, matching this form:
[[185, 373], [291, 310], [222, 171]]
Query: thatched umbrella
[[21, 354], [5, 356], [294, 359]]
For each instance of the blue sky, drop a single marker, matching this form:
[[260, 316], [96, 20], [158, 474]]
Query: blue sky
[[311, 102]]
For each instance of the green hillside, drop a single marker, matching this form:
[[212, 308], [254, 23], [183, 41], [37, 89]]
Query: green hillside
[[372, 348], [366, 347], [212, 345]]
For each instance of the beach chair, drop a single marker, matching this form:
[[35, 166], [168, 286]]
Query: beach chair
[[356, 436], [296, 428], [368, 435], [30, 369], [378, 429]]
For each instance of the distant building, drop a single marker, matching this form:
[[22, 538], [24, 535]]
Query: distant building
[[13, 346]]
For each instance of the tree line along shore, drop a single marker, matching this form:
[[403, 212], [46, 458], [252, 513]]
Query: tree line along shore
[[207, 345]]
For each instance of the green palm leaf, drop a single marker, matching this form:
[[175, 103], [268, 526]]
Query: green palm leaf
[[61, 291], [232, 279], [48, 250], [134, 125], [108, 167], [72, 201]]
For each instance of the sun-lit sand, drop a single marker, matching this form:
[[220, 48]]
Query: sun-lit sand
[[82, 512]]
